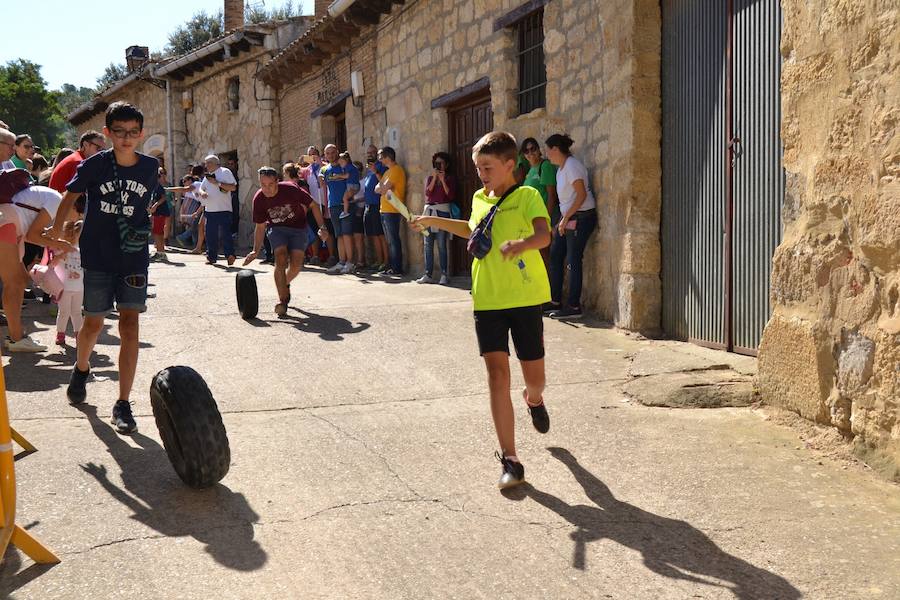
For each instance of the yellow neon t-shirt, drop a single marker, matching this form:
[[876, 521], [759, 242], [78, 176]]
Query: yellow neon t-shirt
[[397, 176], [498, 283]]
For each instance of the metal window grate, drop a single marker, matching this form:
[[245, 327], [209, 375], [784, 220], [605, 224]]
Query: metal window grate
[[532, 71]]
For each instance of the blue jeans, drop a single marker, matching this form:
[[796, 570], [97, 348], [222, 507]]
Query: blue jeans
[[218, 225], [568, 251], [391, 224], [129, 292], [442, 238]]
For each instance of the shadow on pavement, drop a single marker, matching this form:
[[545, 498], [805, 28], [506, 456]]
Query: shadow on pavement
[[24, 374], [331, 329], [669, 547], [10, 577], [218, 517]]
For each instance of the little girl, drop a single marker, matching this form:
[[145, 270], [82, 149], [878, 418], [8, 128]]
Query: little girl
[[72, 298]]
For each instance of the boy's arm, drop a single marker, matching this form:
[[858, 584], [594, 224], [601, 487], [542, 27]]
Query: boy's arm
[[455, 226], [539, 239], [68, 201]]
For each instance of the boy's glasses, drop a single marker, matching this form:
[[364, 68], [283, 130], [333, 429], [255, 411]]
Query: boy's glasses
[[125, 133]]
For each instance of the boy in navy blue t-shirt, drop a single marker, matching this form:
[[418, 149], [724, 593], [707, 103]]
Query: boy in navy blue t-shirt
[[118, 185]]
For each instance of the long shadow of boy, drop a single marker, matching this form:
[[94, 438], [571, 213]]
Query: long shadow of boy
[[217, 517], [669, 547]]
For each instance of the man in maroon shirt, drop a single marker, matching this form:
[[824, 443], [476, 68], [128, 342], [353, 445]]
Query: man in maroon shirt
[[280, 211], [90, 143]]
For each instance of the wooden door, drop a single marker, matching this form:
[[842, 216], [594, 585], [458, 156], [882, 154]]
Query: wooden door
[[468, 123]]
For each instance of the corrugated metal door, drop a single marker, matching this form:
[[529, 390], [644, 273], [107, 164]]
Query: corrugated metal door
[[758, 175], [722, 182], [693, 170]]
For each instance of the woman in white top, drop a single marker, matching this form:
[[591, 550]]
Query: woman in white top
[[31, 210], [578, 219]]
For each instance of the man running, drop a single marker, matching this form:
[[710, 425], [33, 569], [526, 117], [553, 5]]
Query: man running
[[280, 212]]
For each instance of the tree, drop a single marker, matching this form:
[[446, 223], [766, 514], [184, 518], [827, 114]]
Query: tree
[[27, 105], [259, 14], [113, 73], [201, 28], [71, 97]]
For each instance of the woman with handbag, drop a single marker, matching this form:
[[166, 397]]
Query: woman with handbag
[[578, 219], [440, 194]]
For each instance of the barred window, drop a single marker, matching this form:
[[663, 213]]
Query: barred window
[[532, 70]]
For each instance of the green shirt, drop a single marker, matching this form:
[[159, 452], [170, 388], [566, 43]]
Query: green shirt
[[541, 176], [21, 164], [498, 283]]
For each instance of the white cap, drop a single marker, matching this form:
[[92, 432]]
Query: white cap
[[212, 157]]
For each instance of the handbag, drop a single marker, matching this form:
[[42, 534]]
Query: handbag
[[480, 243], [132, 238], [47, 278]]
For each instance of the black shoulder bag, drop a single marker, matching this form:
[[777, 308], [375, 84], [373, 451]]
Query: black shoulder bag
[[131, 239], [480, 243]]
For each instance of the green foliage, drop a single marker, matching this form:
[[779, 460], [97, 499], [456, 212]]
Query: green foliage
[[113, 73], [259, 14], [28, 106], [71, 97], [200, 29]]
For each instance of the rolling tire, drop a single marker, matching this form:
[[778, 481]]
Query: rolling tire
[[247, 297], [190, 426]]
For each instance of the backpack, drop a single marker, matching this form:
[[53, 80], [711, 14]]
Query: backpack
[[12, 182]]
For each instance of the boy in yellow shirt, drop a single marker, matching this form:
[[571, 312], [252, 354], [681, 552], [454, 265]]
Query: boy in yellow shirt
[[509, 286]]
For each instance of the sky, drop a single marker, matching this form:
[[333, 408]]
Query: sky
[[75, 41]]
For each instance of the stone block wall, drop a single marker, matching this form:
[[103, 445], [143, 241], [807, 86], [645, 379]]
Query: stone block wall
[[831, 351], [602, 63], [252, 130]]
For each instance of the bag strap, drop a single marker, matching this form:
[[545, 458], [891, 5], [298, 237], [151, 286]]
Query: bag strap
[[506, 194], [117, 184]]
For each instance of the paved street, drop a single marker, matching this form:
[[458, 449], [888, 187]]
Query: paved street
[[362, 467]]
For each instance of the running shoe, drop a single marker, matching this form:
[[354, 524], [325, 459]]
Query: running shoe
[[513, 472], [425, 279], [444, 280], [540, 418], [348, 268], [569, 313], [77, 390], [26, 344], [548, 308], [122, 419], [337, 268]]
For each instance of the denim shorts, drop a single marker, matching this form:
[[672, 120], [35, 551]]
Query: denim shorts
[[101, 289], [292, 237], [372, 220], [341, 226]]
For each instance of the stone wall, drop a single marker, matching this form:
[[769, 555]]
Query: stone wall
[[252, 130], [603, 89], [831, 351]]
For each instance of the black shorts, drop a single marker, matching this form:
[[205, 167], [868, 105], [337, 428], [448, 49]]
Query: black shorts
[[357, 219], [526, 325], [372, 220]]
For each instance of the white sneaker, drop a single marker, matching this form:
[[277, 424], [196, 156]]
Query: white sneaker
[[348, 268], [26, 344], [444, 280], [425, 279], [336, 268]]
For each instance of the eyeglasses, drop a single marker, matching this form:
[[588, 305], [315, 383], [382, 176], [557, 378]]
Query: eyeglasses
[[96, 145], [10, 144], [28, 146], [125, 133]]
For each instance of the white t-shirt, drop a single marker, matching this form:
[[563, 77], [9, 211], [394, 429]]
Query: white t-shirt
[[217, 200], [566, 175], [7, 165], [315, 187], [74, 274], [39, 197]]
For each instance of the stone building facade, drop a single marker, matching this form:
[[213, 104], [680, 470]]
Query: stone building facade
[[831, 351]]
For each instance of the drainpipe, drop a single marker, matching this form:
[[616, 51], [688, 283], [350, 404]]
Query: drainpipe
[[336, 8], [169, 140]]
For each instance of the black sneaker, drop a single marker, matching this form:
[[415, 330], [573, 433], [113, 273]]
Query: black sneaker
[[513, 472], [550, 307], [122, 418], [539, 417], [77, 390], [569, 313]]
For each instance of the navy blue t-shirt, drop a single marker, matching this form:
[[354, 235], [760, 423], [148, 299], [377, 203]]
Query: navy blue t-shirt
[[163, 209], [100, 244]]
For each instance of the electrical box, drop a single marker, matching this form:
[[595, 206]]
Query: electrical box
[[356, 84]]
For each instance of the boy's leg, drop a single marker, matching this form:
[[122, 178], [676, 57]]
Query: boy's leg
[[497, 364], [281, 265], [296, 265], [129, 330], [535, 381], [87, 339], [527, 329]]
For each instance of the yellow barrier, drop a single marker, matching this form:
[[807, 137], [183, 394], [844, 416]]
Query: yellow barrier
[[10, 532]]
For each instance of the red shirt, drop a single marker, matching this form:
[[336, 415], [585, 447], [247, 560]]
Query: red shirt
[[287, 208], [65, 171]]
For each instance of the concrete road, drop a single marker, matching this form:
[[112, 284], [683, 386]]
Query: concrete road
[[362, 467]]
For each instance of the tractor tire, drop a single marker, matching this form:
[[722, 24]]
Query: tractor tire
[[190, 426], [247, 297]]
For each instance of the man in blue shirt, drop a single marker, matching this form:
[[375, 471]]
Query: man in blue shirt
[[372, 217], [118, 184], [335, 179]]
